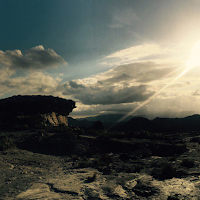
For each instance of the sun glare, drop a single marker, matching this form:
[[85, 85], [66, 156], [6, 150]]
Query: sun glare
[[194, 59]]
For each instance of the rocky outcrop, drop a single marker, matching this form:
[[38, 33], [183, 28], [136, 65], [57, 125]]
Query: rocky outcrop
[[34, 111], [55, 119]]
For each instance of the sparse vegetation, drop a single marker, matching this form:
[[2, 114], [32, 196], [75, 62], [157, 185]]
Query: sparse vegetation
[[187, 163], [167, 172], [163, 170], [6, 143]]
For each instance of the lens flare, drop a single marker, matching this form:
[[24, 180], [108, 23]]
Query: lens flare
[[193, 61]]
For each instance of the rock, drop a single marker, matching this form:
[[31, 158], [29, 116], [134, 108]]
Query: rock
[[35, 111], [131, 184], [144, 190], [38, 191], [11, 166]]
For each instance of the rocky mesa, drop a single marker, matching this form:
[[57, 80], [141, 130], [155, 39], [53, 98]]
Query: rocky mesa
[[34, 111]]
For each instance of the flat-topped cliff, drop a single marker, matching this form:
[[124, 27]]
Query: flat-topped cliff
[[34, 111]]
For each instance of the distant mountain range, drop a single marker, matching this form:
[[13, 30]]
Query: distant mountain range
[[190, 123], [107, 120]]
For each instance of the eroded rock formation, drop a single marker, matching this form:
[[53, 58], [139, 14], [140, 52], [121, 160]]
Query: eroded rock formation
[[55, 119], [34, 111]]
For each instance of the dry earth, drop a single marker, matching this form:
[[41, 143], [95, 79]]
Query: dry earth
[[26, 175]]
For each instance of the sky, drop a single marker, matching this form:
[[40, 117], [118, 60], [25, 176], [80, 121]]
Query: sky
[[137, 57]]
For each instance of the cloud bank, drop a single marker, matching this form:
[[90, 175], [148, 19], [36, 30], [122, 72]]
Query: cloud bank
[[118, 90], [111, 95], [122, 84]]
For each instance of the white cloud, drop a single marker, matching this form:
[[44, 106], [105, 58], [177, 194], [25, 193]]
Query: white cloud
[[33, 83], [135, 53], [138, 72]]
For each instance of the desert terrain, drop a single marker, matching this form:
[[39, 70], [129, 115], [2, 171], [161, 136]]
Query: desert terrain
[[71, 164]]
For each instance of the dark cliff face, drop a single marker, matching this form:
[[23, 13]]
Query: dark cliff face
[[28, 111]]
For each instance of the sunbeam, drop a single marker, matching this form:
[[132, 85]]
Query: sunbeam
[[193, 61]]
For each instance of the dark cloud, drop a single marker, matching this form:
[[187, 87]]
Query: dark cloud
[[34, 58], [122, 84], [116, 79], [142, 72], [110, 95], [75, 85]]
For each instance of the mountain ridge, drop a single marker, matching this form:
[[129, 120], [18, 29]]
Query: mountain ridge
[[189, 123], [159, 124]]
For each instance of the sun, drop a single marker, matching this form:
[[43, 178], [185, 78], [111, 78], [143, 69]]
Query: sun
[[194, 60]]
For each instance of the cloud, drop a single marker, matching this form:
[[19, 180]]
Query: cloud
[[124, 108], [168, 107], [134, 53], [122, 84], [126, 86], [118, 90], [34, 58], [112, 95], [33, 83], [140, 72], [5, 73]]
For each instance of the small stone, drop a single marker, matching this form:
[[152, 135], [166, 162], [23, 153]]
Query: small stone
[[11, 167]]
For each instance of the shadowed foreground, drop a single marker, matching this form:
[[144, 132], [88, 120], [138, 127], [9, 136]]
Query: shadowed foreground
[[74, 166]]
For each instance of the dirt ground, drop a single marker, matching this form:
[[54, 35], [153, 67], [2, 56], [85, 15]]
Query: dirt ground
[[26, 175]]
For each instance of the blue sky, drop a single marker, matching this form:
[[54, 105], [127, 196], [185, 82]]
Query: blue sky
[[109, 56]]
